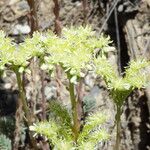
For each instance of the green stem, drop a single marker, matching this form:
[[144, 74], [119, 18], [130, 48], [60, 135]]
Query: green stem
[[22, 96], [118, 121], [74, 103], [24, 104]]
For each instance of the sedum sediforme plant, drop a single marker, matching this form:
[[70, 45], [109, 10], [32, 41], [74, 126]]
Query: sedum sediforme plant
[[74, 52], [121, 87], [16, 58]]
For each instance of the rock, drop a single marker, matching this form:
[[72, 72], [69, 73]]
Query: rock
[[12, 2], [23, 5], [21, 29], [90, 80], [120, 8], [136, 120], [50, 92], [90, 100], [95, 91], [7, 85], [89, 103]]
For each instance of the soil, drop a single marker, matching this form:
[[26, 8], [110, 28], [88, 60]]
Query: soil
[[134, 36]]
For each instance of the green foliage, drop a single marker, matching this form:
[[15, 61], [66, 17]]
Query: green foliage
[[5, 143], [60, 112], [121, 87], [90, 135], [91, 131], [53, 132], [6, 48], [74, 50], [19, 55], [34, 45], [136, 76], [104, 69], [12, 54], [92, 140]]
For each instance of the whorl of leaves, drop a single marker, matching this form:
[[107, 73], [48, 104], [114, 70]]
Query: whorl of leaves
[[53, 132], [92, 132], [90, 135]]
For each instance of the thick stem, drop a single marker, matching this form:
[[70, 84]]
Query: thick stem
[[18, 118], [58, 81], [35, 88], [25, 106], [22, 96], [74, 103], [80, 94], [118, 128], [43, 96]]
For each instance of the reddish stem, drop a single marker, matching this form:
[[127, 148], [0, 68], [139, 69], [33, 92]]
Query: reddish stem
[[33, 19], [57, 30], [85, 11], [57, 18]]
